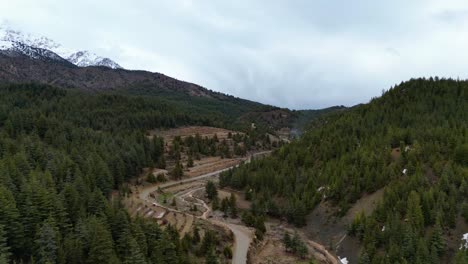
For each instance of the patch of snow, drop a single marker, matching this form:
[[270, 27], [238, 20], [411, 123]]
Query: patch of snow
[[344, 261], [149, 213], [5, 45], [85, 58], [160, 215], [464, 244], [8, 34]]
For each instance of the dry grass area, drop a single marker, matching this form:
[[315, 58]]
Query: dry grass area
[[271, 249], [141, 179], [241, 202], [182, 222], [396, 153], [210, 164], [205, 164], [327, 229], [284, 134], [367, 203], [185, 186], [273, 252], [183, 132]]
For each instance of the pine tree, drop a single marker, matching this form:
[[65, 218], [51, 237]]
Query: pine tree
[[211, 190], [10, 220], [190, 161], [233, 205], [177, 172], [168, 249], [46, 242], [225, 206], [211, 257], [99, 242], [437, 240], [215, 203], [408, 245], [139, 235], [422, 253], [287, 241], [4, 249], [364, 258], [73, 249], [209, 241], [414, 212], [461, 257], [196, 235], [134, 255]]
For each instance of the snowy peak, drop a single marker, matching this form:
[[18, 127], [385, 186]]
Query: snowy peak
[[7, 34], [13, 48], [13, 42], [86, 58]]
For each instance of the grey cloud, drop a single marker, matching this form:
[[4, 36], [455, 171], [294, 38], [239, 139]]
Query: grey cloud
[[297, 54]]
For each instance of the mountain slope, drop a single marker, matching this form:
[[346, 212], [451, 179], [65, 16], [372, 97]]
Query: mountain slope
[[85, 59], [412, 141], [18, 68], [62, 152]]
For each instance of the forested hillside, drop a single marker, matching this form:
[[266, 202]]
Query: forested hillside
[[413, 141], [305, 117], [17, 68], [62, 153]]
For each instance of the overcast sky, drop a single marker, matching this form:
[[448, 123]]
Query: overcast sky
[[296, 54]]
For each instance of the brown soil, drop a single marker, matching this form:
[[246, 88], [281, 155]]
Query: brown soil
[[209, 164], [272, 250], [367, 204], [396, 153], [453, 238], [241, 202], [327, 229], [183, 132]]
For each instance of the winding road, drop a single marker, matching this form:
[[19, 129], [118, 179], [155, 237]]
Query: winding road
[[243, 236]]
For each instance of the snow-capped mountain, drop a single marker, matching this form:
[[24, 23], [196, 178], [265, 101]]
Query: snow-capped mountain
[[13, 42], [85, 58], [15, 48]]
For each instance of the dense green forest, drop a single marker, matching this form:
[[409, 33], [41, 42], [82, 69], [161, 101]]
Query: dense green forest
[[413, 141], [231, 112], [62, 153], [304, 118]]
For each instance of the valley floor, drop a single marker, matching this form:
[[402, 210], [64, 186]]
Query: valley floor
[[156, 201]]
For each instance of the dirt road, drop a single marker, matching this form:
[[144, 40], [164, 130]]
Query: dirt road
[[243, 236], [146, 191]]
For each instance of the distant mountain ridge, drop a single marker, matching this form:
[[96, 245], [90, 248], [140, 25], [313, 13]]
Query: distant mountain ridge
[[14, 42], [25, 58]]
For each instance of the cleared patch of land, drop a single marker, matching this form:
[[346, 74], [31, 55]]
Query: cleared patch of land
[[327, 229], [240, 200], [209, 164], [204, 131], [272, 249]]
